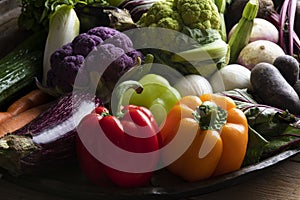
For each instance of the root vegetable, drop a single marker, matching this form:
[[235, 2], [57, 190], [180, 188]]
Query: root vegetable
[[262, 30], [288, 67], [271, 87], [297, 87], [32, 99], [16, 122], [5, 116], [259, 51]]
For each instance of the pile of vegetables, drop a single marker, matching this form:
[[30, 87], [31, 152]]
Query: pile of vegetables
[[214, 94]]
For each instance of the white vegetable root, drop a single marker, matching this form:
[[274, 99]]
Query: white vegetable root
[[259, 51]]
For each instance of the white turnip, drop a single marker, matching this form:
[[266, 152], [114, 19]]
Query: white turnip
[[262, 30], [259, 51]]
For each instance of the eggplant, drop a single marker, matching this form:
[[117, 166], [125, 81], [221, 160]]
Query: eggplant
[[137, 8], [49, 141]]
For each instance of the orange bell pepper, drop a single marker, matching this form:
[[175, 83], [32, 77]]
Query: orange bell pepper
[[220, 136]]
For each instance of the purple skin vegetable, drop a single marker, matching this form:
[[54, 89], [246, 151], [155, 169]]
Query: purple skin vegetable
[[48, 142]]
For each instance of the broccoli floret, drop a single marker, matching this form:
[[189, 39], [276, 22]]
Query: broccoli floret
[[161, 14], [202, 14], [175, 14], [112, 51], [182, 25]]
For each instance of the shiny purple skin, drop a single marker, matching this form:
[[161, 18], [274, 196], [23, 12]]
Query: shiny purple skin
[[54, 131], [137, 8]]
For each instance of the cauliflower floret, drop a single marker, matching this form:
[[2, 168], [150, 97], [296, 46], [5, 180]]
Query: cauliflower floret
[[63, 74], [112, 36], [112, 51], [84, 43]]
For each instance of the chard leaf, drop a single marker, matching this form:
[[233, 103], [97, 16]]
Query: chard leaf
[[255, 148], [271, 130]]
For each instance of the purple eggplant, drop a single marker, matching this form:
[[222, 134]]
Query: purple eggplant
[[95, 15], [137, 8], [48, 141]]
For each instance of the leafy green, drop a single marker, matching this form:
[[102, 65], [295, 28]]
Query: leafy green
[[271, 130], [35, 13], [202, 36]]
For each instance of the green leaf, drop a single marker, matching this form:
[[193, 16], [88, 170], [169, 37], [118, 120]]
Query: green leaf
[[271, 130], [202, 36], [255, 148]]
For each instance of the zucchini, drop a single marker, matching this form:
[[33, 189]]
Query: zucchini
[[241, 36], [19, 68]]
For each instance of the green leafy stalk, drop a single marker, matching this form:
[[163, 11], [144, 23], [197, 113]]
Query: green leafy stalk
[[63, 28], [240, 37], [221, 4], [35, 14], [215, 50]]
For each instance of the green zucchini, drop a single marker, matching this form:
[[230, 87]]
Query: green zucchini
[[241, 35], [19, 68]]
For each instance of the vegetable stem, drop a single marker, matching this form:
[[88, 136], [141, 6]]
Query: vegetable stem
[[291, 20], [284, 21], [210, 116], [117, 95], [221, 4], [12, 149]]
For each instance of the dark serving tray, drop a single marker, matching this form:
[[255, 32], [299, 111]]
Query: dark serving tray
[[70, 183]]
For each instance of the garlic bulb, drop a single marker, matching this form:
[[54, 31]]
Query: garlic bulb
[[193, 85], [230, 77]]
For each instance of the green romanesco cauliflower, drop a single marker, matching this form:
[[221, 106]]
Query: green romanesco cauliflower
[[183, 27], [176, 14]]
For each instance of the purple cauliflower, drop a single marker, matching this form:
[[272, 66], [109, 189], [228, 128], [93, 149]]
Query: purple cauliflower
[[110, 52]]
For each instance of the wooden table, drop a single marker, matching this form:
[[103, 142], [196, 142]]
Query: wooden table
[[281, 181]]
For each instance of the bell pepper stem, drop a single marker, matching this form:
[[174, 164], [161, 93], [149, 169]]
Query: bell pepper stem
[[117, 95], [210, 116], [146, 68]]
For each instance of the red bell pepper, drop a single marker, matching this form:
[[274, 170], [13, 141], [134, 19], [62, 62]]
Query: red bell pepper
[[129, 157]]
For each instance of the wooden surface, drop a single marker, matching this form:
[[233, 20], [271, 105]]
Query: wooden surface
[[281, 181]]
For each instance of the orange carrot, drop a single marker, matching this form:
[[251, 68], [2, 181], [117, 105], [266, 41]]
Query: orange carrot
[[5, 116], [20, 120], [32, 99]]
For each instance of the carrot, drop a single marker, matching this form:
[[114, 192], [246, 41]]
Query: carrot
[[32, 99], [20, 120], [5, 116]]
